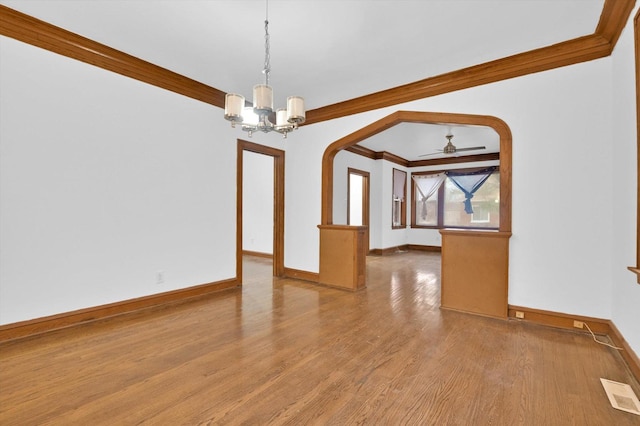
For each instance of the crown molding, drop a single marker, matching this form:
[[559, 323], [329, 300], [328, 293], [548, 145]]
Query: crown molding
[[613, 18], [582, 49], [559, 55], [492, 156], [363, 151], [42, 34]]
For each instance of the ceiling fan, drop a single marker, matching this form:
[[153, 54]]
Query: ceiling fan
[[450, 148]]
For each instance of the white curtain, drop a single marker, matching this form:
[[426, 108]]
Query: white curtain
[[427, 186]]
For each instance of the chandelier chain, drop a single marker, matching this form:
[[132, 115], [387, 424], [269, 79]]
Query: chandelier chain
[[267, 53]]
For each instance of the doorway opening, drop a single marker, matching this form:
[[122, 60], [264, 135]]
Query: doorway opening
[[275, 206], [358, 205]]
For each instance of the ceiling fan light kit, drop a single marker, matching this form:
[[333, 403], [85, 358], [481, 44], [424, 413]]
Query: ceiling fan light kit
[[261, 116], [450, 148]]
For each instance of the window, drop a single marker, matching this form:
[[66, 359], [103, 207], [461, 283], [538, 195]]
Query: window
[[448, 207], [426, 198], [428, 211], [399, 209], [481, 214]]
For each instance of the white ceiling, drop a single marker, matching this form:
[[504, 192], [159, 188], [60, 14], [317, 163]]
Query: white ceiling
[[416, 141], [324, 50]]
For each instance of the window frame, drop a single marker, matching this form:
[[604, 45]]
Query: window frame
[[441, 201], [440, 214], [403, 202]]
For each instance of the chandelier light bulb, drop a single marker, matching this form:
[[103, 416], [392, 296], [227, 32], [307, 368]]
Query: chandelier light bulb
[[249, 117], [281, 118]]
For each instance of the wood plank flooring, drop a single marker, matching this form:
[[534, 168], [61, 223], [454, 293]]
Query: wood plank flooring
[[286, 352]]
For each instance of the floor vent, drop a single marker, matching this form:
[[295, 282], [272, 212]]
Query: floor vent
[[621, 396]]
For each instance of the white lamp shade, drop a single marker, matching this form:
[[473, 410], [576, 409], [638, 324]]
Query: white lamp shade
[[262, 98], [233, 105], [295, 109]]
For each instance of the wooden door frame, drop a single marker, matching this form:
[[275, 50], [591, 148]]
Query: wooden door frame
[[636, 37], [278, 205], [366, 200]]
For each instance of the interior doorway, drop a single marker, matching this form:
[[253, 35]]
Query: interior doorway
[[276, 206], [358, 196]]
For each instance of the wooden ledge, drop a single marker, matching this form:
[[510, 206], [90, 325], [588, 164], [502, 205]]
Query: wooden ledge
[[490, 233], [343, 227], [635, 270]]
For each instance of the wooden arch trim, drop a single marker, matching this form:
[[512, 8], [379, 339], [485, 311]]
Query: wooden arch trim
[[428, 118]]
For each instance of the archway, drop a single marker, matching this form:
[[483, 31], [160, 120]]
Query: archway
[[429, 118], [479, 284]]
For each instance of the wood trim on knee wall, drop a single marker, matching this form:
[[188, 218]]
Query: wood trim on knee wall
[[393, 250], [299, 274], [435, 249], [257, 254], [598, 326], [67, 319], [389, 250]]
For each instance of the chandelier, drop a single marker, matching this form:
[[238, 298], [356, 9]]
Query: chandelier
[[260, 116]]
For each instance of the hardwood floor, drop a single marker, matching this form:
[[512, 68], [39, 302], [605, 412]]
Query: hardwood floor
[[282, 351]]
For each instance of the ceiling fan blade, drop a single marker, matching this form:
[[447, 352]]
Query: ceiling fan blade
[[433, 153], [471, 148], [441, 151]]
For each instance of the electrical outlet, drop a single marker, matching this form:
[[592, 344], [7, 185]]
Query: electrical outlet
[[520, 314], [578, 324], [160, 277]]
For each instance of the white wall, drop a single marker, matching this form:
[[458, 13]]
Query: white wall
[[561, 122], [341, 163], [381, 234], [104, 182], [626, 291], [303, 180], [257, 202]]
